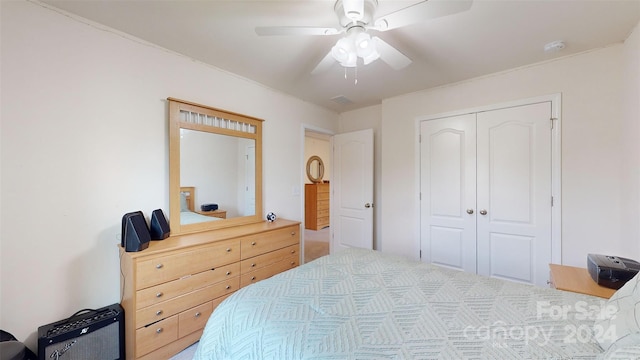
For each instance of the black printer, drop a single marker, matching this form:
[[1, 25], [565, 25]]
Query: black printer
[[611, 271]]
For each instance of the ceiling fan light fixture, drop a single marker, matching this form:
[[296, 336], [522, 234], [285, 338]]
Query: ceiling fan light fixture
[[353, 9], [342, 50], [366, 48]]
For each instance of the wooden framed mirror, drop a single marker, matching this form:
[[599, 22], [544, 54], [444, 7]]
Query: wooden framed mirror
[[215, 168], [315, 169]]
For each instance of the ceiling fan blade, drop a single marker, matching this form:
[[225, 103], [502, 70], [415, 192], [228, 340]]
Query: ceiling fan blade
[[294, 30], [421, 11], [324, 64], [391, 55]]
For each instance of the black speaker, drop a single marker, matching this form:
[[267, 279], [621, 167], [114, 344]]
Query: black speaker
[[159, 228], [93, 334], [135, 233]]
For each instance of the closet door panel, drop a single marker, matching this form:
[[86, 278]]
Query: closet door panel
[[448, 231], [514, 193]]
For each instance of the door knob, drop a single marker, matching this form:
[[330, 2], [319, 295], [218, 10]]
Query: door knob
[[483, 212], [367, 205], [469, 211]]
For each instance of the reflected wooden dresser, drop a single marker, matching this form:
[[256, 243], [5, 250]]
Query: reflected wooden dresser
[[316, 206], [170, 289]]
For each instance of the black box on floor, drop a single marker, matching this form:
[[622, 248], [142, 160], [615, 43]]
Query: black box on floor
[[91, 334]]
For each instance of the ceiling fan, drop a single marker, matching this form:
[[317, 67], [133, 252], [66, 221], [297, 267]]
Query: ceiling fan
[[356, 19]]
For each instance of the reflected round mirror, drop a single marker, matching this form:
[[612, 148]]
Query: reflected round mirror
[[315, 169]]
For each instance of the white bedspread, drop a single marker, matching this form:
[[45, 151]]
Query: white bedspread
[[361, 304], [190, 217]]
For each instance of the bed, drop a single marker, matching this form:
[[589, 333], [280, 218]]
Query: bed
[[188, 214], [363, 304]]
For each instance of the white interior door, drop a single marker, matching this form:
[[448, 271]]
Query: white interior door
[[448, 192], [514, 193], [250, 181], [352, 187]]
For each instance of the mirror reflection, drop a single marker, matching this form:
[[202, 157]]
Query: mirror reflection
[[215, 168], [217, 177]]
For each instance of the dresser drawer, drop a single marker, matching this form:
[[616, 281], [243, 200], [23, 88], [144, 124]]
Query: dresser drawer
[[166, 268], [268, 271], [261, 261], [323, 221], [323, 205], [323, 213], [323, 196], [194, 319], [322, 188], [176, 305], [154, 336], [171, 289], [262, 243]]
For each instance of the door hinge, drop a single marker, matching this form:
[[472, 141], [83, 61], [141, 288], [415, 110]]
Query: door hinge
[[420, 254], [420, 138], [552, 201], [552, 122]]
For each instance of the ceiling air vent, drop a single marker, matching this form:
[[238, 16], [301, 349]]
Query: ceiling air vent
[[342, 100]]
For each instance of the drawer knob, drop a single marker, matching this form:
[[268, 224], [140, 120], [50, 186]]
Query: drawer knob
[[253, 243], [159, 312], [228, 287], [293, 263], [293, 251], [253, 265], [228, 249], [293, 233], [253, 278], [159, 266], [158, 330], [228, 272], [198, 314], [159, 294]]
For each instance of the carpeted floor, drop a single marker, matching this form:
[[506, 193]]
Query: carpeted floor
[[316, 244]]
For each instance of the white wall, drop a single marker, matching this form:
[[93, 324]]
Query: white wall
[[84, 139], [630, 143], [592, 91]]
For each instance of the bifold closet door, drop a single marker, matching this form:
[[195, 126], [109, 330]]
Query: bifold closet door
[[485, 187], [514, 193], [448, 192]]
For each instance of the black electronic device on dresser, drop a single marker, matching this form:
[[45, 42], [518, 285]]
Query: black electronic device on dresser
[[611, 271], [88, 334], [209, 207]]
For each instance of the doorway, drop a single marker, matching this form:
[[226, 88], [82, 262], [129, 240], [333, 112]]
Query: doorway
[[315, 194]]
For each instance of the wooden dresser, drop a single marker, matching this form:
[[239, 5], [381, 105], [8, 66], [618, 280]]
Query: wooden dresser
[[316, 206], [170, 289]]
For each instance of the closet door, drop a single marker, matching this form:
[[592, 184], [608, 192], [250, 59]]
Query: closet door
[[514, 193], [448, 192]]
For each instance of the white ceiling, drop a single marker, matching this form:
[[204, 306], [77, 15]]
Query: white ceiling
[[492, 36]]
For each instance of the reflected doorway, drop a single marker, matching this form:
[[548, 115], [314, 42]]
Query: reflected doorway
[[317, 232]]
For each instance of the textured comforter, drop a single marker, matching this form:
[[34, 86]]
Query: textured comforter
[[362, 304]]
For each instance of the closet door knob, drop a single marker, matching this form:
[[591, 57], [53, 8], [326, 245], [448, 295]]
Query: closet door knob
[[483, 212], [469, 211]]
